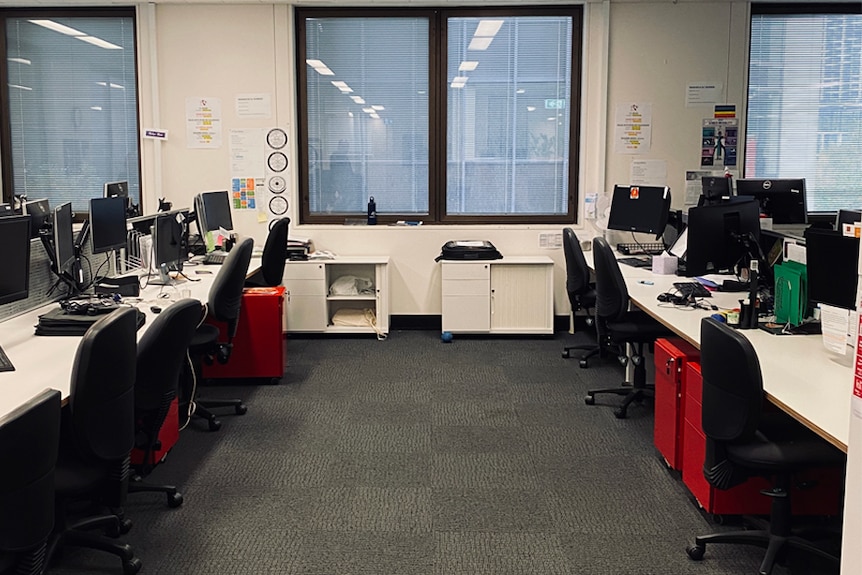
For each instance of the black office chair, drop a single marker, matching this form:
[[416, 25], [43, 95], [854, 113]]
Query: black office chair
[[617, 326], [97, 436], [582, 293], [162, 353], [29, 438], [223, 306], [274, 255], [744, 441]]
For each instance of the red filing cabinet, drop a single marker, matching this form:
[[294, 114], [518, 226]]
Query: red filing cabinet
[[258, 347], [671, 356], [824, 498]]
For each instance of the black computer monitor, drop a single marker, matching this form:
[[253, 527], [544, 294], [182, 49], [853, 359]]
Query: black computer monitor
[[782, 199], [107, 223], [721, 236], [40, 216], [64, 240], [15, 239], [716, 189], [640, 209], [847, 217], [213, 211], [116, 189], [169, 248], [831, 262]]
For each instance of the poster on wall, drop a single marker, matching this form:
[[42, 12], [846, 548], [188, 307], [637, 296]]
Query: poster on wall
[[203, 123], [633, 128], [247, 168], [720, 137]]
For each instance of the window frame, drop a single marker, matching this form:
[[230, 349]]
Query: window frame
[[7, 178], [437, 113]]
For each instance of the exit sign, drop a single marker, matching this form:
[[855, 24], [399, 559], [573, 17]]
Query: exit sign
[[555, 104]]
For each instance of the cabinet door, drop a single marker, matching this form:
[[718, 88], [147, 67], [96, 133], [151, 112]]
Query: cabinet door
[[382, 286], [305, 296], [466, 297], [522, 298]]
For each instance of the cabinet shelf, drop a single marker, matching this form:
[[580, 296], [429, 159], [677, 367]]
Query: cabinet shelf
[[351, 297]]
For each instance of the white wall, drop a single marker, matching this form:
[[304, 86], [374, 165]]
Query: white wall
[[643, 51]]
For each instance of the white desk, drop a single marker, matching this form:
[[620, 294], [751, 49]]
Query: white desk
[[799, 375], [46, 362]]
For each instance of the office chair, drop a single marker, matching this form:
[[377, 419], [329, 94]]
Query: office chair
[[582, 293], [162, 352], [271, 269], [223, 306], [744, 441], [29, 439], [97, 436], [617, 326]]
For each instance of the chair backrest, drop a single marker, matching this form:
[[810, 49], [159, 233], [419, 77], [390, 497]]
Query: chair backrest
[[29, 438], [612, 297], [102, 401], [225, 295], [275, 253], [577, 271], [732, 384], [161, 353]]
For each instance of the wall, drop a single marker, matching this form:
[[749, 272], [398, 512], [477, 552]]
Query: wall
[[645, 51]]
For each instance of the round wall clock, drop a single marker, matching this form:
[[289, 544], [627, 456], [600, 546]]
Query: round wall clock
[[276, 138], [277, 184], [277, 162], [278, 205]]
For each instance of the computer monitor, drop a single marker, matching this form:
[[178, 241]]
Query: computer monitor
[[847, 217], [721, 236], [15, 239], [107, 223], [213, 211], [40, 216], [116, 189], [831, 262], [64, 240], [169, 251], [715, 189], [640, 209], [783, 200]]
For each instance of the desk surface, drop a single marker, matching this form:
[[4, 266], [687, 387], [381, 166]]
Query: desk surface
[[46, 362], [799, 375]]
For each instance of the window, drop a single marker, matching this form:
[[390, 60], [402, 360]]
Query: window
[[805, 100], [71, 118], [457, 116]]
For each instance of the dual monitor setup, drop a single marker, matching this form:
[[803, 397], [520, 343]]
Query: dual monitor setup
[[723, 232], [108, 229]]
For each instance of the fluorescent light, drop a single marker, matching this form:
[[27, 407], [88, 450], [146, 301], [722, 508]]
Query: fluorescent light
[[357, 99], [378, 108], [20, 60], [520, 91], [375, 116], [531, 108], [488, 28], [457, 84], [96, 108], [324, 71], [57, 27], [421, 92], [350, 114], [479, 43], [368, 110], [315, 63], [467, 66], [117, 86], [552, 119], [342, 86], [99, 42], [460, 80], [105, 84], [19, 87]]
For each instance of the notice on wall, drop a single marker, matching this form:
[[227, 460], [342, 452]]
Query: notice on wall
[[203, 123], [718, 142], [699, 93], [633, 128], [694, 185], [247, 167], [648, 173], [253, 106]]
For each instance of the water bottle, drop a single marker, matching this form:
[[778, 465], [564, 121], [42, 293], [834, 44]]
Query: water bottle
[[372, 212]]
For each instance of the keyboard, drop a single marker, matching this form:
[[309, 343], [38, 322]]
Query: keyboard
[[637, 262], [215, 258], [692, 289], [5, 364], [646, 248]]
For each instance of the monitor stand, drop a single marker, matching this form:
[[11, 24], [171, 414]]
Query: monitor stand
[[164, 278]]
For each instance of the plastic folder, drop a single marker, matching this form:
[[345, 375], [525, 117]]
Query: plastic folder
[[791, 293]]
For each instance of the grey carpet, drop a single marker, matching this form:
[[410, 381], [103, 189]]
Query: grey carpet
[[411, 456]]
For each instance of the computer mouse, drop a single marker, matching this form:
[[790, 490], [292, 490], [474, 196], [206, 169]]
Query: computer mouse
[[155, 309]]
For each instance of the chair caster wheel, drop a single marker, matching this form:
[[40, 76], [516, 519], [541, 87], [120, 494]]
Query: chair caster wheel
[[583, 364], [620, 413], [214, 424], [695, 552], [132, 566], [590, 400], [566, 354], [175, 500], [125, 526], [240, 409], [275, 381]]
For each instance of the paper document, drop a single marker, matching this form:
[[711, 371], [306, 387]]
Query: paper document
[[835, 324]]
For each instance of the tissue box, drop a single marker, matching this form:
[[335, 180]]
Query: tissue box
[[664, 264]]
